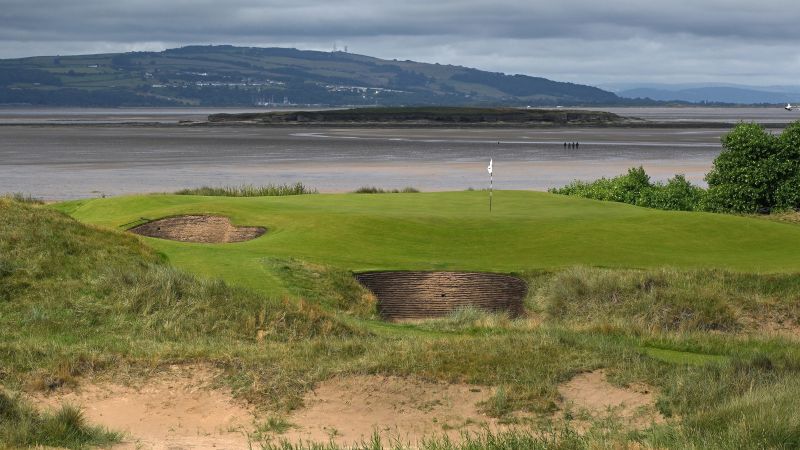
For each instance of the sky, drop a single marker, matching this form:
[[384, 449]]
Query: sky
[[602, 43]]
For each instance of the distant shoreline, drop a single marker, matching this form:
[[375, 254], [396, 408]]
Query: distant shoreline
[[390, 125]]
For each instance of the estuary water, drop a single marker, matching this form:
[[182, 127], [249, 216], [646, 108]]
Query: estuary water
[[78, 153]]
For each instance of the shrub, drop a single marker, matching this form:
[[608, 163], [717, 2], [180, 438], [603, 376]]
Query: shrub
[[635, 188], [756, 171], [678, 194]]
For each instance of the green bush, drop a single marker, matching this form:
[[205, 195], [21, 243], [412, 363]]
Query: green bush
[[635, 188], [756, 171]]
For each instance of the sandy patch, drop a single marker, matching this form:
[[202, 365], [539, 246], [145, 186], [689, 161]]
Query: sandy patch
[[770, 327], [590, 395], [178, 409], [198, 228], [350, 409]]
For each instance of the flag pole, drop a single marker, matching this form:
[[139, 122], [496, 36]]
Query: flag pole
[[491, 183]]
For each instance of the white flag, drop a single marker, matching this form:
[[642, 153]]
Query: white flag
[[490, 167]]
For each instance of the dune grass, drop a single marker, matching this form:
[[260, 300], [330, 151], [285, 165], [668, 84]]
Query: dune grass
[[77, 300], [250, 190], [23, 198], [22, 426], [377, 190]]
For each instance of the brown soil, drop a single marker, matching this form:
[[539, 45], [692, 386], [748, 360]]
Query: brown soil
[[591, 395], [351, 409], [416, 295], [176, 409], [198, 228]]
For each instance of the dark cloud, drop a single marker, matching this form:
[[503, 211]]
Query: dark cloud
[[578, 40]]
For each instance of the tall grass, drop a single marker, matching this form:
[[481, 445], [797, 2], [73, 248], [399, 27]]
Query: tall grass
[[22, 426], [250, 190], [671, 300], [377, 190], [485, 440], [23, 198]]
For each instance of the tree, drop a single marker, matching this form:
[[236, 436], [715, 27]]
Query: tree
[[756, 171]]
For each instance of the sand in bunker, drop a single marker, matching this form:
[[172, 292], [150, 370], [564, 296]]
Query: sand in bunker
[[350, 409], [178, 409], [181, 409], [198, 228], [591, 394]]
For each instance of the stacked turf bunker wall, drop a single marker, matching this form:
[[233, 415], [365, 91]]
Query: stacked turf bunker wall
[[420, 295]]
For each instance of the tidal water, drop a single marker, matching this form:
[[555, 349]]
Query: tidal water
[[78, 153]]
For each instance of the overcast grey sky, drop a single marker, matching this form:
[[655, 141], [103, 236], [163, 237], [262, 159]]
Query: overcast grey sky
[[585, 41]]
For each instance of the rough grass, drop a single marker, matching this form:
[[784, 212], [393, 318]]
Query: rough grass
[[561, 439], [672, 300], [250, 190], [23, 198], [76, 300], [377, 190], [22, 426]]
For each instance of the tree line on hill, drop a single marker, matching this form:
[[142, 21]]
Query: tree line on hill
[[756, 172]]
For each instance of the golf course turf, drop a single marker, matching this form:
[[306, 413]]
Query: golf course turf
[[452, 231], [702, 309]]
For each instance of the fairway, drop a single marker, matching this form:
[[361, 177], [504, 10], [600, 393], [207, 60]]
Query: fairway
[[452, 231]]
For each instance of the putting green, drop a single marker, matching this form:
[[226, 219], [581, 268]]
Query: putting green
[[453, 231]]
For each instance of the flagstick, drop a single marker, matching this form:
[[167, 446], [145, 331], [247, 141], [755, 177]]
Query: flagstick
[[491, 185]]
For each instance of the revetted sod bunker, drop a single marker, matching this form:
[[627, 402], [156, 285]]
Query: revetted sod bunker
[[198, 228], [420, 295]]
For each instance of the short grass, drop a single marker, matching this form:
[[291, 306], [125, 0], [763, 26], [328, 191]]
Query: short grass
[[78, 300], [454, 231]]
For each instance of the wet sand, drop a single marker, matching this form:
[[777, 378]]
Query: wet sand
[[63, 162], [112, 152]]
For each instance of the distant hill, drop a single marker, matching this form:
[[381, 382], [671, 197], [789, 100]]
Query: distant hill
[[713, 94], [245, 76]]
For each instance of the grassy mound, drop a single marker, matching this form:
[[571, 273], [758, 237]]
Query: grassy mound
[[74, 299]]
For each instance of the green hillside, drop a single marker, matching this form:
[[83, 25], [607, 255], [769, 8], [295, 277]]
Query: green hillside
[[244, 76]]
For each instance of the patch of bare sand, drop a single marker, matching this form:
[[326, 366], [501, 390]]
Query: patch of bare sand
[[772, 326], [198, 228], [350, 409], [177, 409], [590, 394]]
